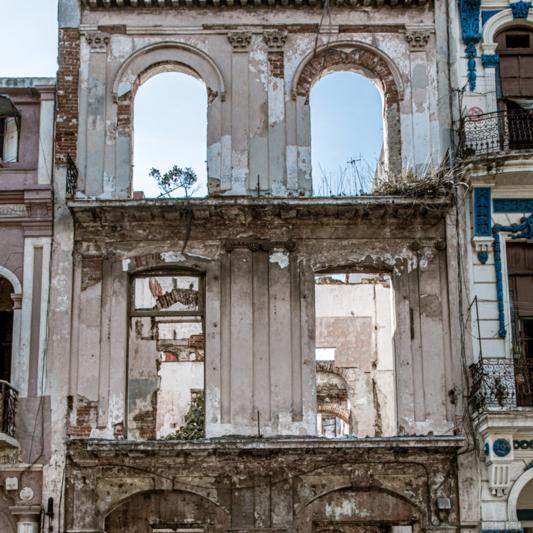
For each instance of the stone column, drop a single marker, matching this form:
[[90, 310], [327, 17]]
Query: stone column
[[418, 38], [15, 347], [240, 42], [28, 518], [96, 115]]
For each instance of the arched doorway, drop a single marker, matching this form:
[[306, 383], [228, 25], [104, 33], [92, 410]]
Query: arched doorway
[[165, 512], [524, 507], [6, 328], [349, 510], [520, 502]]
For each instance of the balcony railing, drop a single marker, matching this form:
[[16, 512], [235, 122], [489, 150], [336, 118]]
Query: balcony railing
[[499, 383], [8, 408], [496, 132]]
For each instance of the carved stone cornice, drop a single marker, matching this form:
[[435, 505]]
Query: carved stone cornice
[[240, 40], [259, 245], [275, 39], [417, 39], [173, 4]]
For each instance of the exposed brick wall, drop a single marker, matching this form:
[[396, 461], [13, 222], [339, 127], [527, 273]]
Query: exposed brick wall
[[360, 57], [86, 419], [275, 60], [67, 95], [334, 409], [145, 421], [124, 112]]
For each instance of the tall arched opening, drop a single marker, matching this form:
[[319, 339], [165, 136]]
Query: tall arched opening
[[170, 130]]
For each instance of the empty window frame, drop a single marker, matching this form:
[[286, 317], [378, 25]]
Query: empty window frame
[[354, 355], [345, 158], [166, 357], [9, 130], [170, 129]]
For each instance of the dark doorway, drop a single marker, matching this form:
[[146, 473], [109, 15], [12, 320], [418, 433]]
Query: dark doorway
[[520, 268], [6, 328]]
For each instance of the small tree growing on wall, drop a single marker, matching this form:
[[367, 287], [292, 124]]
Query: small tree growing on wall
[[174, 179]]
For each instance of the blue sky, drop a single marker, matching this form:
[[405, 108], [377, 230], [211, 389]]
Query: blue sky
[[170, 109]]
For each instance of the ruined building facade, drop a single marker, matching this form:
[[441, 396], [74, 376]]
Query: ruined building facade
[[495, 72], [262, 359]]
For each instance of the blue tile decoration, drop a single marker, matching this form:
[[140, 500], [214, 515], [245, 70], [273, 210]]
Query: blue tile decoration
[[470, 18], [520, 9]]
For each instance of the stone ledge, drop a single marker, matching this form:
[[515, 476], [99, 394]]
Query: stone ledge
[[252, 444]]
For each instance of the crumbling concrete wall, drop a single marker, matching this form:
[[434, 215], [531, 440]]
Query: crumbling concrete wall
[[258, 78], [260, 315], [261, 485]]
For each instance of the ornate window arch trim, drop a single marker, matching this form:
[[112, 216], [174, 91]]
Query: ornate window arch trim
[[190, 59], [501, 21], [394, 92], [514, 494], [12, 278]]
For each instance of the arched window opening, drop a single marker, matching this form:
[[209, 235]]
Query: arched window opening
[[524, 507], [355, 382], [170, 130], [6, 328], [347, 129]]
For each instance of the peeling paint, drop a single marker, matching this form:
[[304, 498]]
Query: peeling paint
[[280, 258]]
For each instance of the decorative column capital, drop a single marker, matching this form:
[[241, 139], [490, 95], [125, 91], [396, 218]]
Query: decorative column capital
[[520, 9], [490, 60], [275, 39], [240, 40], [97, 40], [17, 301], [417, 39]]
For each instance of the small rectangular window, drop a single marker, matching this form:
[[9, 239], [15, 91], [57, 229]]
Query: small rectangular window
[[9, 130], [517, 40]]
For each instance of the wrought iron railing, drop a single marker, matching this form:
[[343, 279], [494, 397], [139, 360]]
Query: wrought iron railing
[[72, 177], [496, 132], [523, 369], [8, 408], [499, 383]]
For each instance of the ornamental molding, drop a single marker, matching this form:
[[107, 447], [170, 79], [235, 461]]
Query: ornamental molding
[[482, 212], [97, 40], [470, 11], [240, 40], [275, 39], [520, 9], [490, 60], [522, 230], [417, 39], [513, 205], [496, 23], [13, 210]]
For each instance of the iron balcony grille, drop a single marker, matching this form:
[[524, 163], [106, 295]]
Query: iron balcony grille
[[8, 408], [497, 132], [499, 383]]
